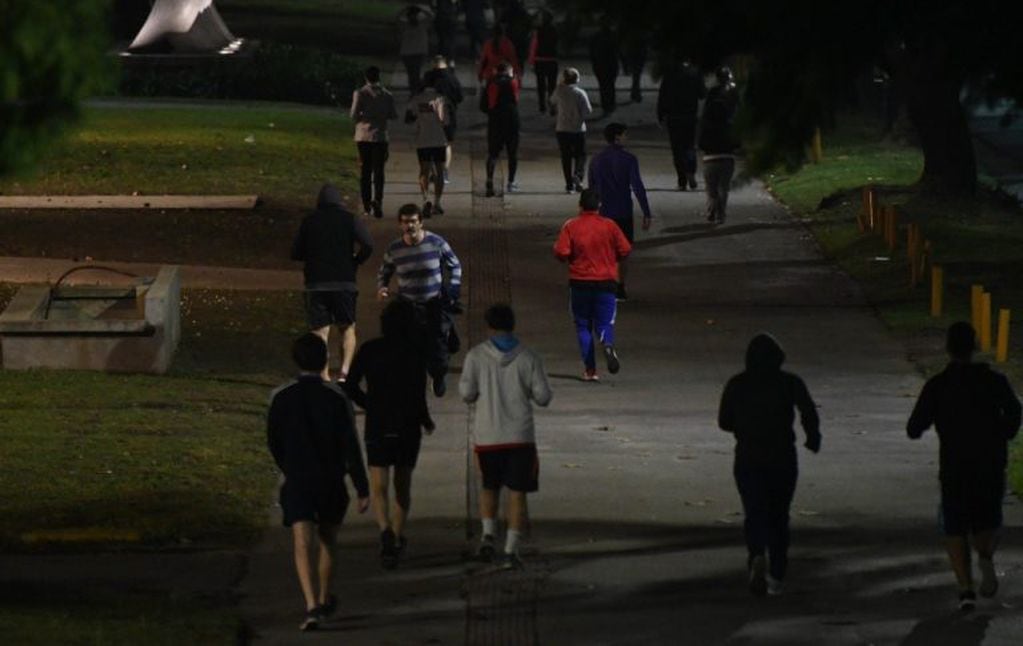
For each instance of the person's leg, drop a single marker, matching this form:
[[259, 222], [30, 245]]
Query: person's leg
[[516, 518], [711, 177], [750, 482], [366, 158], [985, 543], [380, 156], [425, 167], [402, 498], [637, 75], [688, 143], [781, 488], [565, 149], [580, 302], [678, 153], [438, 180], [605, 306], [958, 549], [724, 184], [437, 346], [349, 343], [378, 496], [512, 145], [579, 154], [304, 534], [328, 552], [324, 333]]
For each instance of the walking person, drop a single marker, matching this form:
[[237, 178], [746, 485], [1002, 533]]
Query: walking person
[[476, 25], [415, 42], [543, 56], [311, 436], [419, 258], [496, 50], [430, 113], [519, 26], [976, 413], [332, 243], [445, 81], [372, 108], [593, 246], [718, 144], [396, 416], [570, 105], [504, 379], [757, 407], [678, 103], [604, 57], [634, 56], [614, 172], [500, 100], [444, 22]]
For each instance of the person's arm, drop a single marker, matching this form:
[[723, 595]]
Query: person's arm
[[384, 274], [354, 111], [354, 465], [365, 240], [563, 245], [808, 416], [468, 384], [637, 187], [585, 108], [540, 388], [353, 383], [274, 441], [298, 245], [1010, 413], [450, 260], [622, 245], [923, 412], [726, 410]]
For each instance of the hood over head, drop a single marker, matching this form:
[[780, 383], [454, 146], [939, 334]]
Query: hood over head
[[329, 198], [764, 354]]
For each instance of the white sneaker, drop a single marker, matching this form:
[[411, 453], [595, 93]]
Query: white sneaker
[[988, 578], [513, 187], [774, 586]]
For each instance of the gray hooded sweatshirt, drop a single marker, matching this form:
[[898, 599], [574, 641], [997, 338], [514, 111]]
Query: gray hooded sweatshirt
[[504, 386]]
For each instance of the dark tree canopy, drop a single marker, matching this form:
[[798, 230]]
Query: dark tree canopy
[[53, 54], [805, 57]]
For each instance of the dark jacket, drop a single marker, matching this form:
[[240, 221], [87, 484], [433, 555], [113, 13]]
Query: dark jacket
[[395, 395], [311, 435], [975, 412], [758, 405], [447, 85], [716, 136], [680, 94], [326, 243], [604, 53]]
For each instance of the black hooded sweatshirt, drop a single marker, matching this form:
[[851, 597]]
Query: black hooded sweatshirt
[[326, 244], [758, 407]]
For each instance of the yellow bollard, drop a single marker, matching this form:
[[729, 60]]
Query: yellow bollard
[[985, 322], [976, 292], [816, 147], [937, 289], [1002, 349]]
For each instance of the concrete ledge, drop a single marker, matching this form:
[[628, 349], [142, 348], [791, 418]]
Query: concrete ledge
[[128, 201]]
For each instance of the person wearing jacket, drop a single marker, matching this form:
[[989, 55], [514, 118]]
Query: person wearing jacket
[[543, 56], [677, 107], [311, 436], [593, 246], [496, 50], [976, 413], [326, 242], [394, 369], [570, 105], [757, 407], [718, 144], [504, 379], [604, 57], [372, 108], [500, 101]]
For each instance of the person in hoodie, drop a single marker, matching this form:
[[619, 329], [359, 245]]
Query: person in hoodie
[[593, 246], [758, 406], [718, 143], [394, 369], [976, 413], [372, 107], [500, 101], [504, 379], [332, 243], [311, 436], [570, 105]]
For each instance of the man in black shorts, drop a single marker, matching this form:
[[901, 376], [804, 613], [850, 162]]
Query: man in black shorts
[[504, 379], [975, 413], [396, 414], [326, 243], [311, 435]]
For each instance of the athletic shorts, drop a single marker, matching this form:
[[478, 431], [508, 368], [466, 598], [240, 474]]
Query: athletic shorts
[[328, 308], [393, 450], [436, 154], [971, 507], [324, 506], [517, 468], [626, 226]]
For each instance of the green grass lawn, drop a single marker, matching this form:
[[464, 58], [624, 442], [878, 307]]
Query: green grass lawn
[[282, 153], [977, 240]]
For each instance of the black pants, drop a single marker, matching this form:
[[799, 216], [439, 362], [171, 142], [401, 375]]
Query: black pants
[[606, 81], [413, 67], [546, 81], [682, 137], [445, 37], [372, 157], [766, 491], [502, 134], [573, 149], [434, 325]]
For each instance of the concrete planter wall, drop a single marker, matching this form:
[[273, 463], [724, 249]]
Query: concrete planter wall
[[96, 336]]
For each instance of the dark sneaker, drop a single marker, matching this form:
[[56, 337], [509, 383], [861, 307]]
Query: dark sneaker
[[437, 210], [613, 366], [388, 549], [427, 209], [988, 578], [439, 387], [967, 600], [569, 189], [510, 561], [487, 549], [711, 217], [327, 608], [490, 189], [774, 586], [692, 182], [378, 210], [758, 576], [578, 186], [681, 184], [512, 187], [401, 547], [311, 621]]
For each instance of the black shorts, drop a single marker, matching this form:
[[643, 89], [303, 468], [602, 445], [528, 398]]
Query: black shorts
[[437, 154], [328, 308], [517, 468], [971, 506], [393, 450], [626, 226], [321, 505]]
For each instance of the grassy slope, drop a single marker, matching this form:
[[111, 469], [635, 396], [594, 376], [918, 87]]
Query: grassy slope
[[976, 241]]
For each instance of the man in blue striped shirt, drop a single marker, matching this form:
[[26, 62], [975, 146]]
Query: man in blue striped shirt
[[418, 258]]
